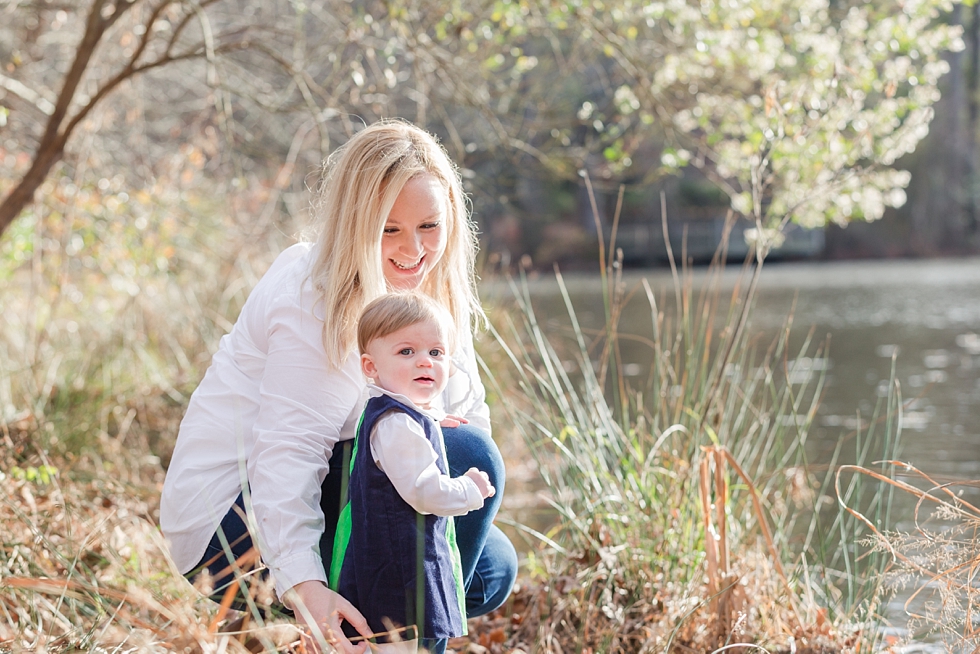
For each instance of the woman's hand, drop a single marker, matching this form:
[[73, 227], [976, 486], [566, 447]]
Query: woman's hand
[[453, 421], [322, 610]]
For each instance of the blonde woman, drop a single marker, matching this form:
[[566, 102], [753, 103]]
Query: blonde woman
[[270, 423]]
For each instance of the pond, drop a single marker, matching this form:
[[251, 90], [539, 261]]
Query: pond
[[926, 312]]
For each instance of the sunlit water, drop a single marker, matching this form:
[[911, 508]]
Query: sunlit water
[[927, 313]]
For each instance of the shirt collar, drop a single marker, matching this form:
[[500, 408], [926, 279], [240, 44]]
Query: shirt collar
[[376, 391]]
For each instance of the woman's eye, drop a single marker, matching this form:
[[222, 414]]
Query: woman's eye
[[405, 351], [428, 226]]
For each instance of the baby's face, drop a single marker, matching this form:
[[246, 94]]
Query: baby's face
[[411, 362]]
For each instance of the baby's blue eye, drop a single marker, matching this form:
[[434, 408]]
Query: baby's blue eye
[[405, 351], [435, 353]]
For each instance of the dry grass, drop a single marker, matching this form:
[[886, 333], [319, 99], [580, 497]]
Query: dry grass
[[937, 565], [110, 319], [83, 567], [598, 610], [616, 596]]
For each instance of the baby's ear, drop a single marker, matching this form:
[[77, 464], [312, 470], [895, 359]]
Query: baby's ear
[[368, 367]]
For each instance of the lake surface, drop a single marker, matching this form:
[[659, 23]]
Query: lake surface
[[927, 312]]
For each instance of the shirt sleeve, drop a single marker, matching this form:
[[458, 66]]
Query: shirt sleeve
[[465, 395], [303, 406], [399, 446]]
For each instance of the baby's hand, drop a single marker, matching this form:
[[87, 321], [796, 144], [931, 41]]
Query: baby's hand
[[482, 481], [453, 421]]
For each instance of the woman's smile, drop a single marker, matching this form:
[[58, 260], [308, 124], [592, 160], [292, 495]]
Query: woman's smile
[[409, 267]]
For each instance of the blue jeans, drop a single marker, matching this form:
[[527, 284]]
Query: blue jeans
[[489, 560]]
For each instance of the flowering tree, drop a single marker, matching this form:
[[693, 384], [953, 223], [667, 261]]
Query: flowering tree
[[798, 109]]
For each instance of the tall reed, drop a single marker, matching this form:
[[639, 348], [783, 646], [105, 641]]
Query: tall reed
[[691, 518]]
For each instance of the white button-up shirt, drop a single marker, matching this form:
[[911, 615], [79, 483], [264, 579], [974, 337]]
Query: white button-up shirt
[[268, 413], [401, 450]]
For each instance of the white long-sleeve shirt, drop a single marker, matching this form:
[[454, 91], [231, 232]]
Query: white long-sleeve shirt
[[270, 410], [401, 450]]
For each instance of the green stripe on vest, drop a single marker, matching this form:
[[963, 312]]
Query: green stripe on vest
[[342, 536], [457, 567]]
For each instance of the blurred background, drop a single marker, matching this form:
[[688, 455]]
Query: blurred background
[[235, 104], [157, 155]]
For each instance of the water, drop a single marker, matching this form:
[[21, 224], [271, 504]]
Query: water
[[925, 312]]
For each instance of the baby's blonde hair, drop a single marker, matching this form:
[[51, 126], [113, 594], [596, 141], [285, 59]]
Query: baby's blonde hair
[[358, 186], [389, 313]]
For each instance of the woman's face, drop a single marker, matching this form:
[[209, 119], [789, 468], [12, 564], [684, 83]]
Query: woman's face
[[415, 234]]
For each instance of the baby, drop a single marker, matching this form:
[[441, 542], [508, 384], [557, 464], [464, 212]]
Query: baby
[[402, 567]]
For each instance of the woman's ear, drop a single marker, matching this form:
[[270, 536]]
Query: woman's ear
[[368, 367]]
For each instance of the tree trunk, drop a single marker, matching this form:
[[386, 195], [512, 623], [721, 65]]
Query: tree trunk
[[973, 116], [23, 193], [937, 214], [52, 146]]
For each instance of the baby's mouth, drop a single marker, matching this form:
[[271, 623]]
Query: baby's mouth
[[425, 379]]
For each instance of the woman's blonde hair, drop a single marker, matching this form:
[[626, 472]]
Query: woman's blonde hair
[[389, 313], [358, 186]]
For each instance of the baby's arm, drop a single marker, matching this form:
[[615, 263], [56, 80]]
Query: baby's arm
[[399, 446]]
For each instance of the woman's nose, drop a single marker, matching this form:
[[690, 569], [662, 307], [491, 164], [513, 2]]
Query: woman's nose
[[411, 244]]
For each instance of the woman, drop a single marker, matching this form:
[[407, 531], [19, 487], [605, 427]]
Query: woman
[[267, 425]]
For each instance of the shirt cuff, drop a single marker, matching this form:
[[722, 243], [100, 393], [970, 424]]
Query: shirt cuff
[[295, 569]]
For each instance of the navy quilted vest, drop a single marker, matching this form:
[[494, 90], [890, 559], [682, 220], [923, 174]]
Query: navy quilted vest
[[391, 546]]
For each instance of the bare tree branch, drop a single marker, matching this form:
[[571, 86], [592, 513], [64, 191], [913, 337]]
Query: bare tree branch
[[57, 131], [52, 144]]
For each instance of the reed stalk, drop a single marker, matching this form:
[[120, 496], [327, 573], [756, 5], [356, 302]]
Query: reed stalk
[[935, 566], [688, 515]]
